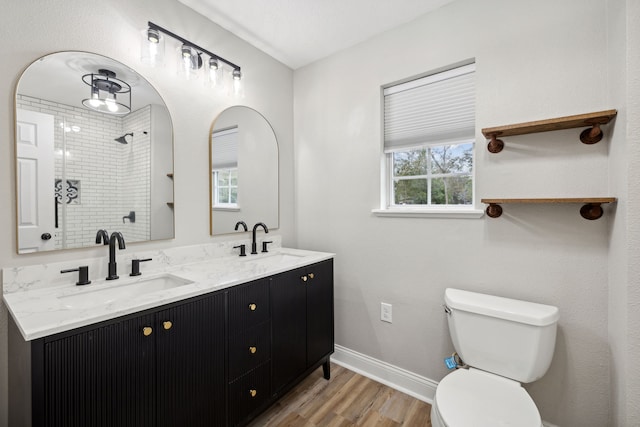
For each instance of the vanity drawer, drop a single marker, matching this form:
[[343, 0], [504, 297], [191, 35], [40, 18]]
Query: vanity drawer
[[249, 349], [248, 394], [248, 305]]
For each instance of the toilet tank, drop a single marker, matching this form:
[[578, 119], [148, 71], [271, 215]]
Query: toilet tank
[[507, 337]]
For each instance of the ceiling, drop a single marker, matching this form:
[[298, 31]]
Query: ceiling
[[298, 32]]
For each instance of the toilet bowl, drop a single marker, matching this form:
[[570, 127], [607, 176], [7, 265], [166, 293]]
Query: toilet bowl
[[473, 398], [503, 343]]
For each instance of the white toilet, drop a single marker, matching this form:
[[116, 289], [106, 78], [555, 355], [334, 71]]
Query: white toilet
[[504, 342]]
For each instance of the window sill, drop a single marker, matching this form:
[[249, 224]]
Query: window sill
[[460, 213], [230, 208]]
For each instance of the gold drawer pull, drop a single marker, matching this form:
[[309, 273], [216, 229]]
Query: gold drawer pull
[[310, 275], [147, 331], [304, 278], [167, 324], [253, 392], [252, 307], [253, 350]]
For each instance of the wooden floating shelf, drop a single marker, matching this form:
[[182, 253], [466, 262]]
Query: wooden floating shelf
[[588, 136], [591, 209]]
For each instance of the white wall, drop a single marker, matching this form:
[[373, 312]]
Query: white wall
[[630, 399], [535, 60], [618, 176], [32, 28]]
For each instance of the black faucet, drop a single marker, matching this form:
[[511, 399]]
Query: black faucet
[[113, 268], [102, 236], [253, 242], [241, 223]]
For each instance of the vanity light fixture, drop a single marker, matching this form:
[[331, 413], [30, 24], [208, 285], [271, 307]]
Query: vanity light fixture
[[104, 91], [237, 87], [214, 72], [152, 51], [190, 55], [191, 62], [153, 35]]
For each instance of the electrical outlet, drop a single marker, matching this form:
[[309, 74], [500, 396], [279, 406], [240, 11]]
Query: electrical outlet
[[386, 312]]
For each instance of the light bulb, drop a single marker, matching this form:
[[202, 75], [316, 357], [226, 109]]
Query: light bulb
[[111, 104], [95, 100]]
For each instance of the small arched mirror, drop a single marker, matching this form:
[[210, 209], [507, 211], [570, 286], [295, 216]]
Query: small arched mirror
[[94, 150], [243, 171]]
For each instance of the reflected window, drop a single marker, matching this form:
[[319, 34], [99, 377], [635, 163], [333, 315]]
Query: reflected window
[[226, 187], [224, 149]]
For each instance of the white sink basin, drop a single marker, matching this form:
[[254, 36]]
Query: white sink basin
[[272, 259], [108, 293]]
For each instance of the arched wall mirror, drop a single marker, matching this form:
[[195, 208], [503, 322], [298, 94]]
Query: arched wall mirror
[[243, 171], [94, 150]]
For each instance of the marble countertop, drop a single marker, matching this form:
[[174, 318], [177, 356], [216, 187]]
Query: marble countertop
[[44, 311]]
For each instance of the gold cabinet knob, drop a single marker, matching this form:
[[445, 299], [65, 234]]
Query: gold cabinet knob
[[253, 392], [252, 350], [304, 278], [310, 275], [167, 324], [147, 331], [252, 307]]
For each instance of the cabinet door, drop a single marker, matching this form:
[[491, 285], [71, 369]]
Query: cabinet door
[[319, 311], [100, 377], [288, 318], [191, 363]]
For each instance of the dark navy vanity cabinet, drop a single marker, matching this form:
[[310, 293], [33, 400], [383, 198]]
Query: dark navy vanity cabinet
[[214, 360]]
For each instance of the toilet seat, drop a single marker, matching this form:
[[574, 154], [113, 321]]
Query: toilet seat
[[470, 397]]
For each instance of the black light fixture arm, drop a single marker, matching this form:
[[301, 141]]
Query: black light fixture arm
[[195, 46]]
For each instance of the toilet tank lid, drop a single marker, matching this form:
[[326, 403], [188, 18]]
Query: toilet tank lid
[[504, 308]]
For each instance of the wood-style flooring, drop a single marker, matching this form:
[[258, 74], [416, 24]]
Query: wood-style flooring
[[348, 399]]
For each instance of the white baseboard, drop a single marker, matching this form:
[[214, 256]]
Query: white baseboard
[[414, 385]]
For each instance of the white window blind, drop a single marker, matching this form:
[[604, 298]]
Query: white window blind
[[435, 109], [224, 149]]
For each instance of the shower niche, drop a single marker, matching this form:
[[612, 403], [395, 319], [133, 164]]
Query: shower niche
[[91, 147]]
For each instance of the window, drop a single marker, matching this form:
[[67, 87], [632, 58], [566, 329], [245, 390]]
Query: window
[[436, 175], [224, 160], [429, 138]]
